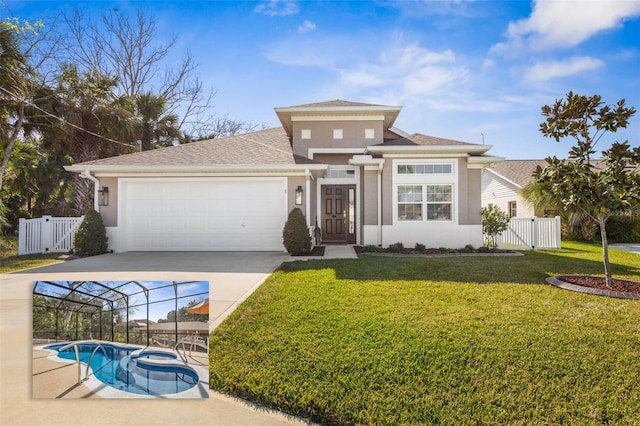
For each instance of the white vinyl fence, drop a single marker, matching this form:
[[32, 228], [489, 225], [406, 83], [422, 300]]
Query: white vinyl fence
[[47, 234], [531, 233]]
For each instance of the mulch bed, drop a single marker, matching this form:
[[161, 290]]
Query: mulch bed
[[624, 289], [600, 282], [409, 251]]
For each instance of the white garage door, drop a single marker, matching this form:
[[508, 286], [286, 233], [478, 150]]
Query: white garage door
[[204, 214]]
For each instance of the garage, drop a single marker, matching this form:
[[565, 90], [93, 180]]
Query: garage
[[203, 214]]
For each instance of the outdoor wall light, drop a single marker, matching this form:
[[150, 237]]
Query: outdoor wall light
[[299, 195], [103, 195]]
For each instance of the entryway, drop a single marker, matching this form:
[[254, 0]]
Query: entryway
[[338, 213]]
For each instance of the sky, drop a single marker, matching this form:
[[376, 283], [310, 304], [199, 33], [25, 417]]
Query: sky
[[475, 71]]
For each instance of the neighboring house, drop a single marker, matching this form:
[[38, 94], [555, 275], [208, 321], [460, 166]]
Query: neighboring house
[[342, 163], [502, 183]]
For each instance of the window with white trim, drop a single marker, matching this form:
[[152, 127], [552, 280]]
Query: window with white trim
[[422, 169], [421, 202], [337, 173], [305, 134], [337, 133]]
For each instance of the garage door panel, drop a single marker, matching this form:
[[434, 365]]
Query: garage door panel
[[205, 215]]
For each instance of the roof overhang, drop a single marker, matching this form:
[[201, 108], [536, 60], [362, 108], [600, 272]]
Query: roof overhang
[[215, 169], [287, 115], [483, 161], [429, 149]]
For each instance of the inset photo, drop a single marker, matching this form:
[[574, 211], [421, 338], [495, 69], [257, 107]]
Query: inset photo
[[120, 339]]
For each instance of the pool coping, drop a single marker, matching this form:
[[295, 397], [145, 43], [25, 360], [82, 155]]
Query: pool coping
[[199, 391]]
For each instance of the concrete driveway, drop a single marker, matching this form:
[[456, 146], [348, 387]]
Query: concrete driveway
[[630, 247], [232, 278]]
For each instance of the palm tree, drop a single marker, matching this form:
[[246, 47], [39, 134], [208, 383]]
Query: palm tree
[[14, 73], [96, 123], [540, 196], [154, 128]]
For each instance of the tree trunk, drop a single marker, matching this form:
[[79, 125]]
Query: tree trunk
[[605, 250], [11, 140], [83, 195]]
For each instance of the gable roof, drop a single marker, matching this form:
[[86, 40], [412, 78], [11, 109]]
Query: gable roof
[[517, 171], [253, 150]]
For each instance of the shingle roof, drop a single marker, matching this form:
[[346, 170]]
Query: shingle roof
[[269, 146], [518, 171], [420, 139], [335, 103]]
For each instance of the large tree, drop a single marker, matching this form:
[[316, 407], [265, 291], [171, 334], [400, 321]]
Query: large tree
[[84, 119], [612, 188], [14, 72], [132, 49]]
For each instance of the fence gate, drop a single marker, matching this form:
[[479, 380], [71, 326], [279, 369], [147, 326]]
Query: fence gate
[[47, 234], [531, 233]]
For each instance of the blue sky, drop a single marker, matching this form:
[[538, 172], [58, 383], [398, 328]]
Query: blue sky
[[460, 69]]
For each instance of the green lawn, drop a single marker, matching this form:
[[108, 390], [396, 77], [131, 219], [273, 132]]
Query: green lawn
[[471, 340], [10, 261]]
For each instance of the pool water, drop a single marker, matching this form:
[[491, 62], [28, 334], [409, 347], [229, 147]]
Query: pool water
[[115, 367]]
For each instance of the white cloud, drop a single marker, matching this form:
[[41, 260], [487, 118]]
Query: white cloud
[[277, 8], [565, 24], [406, 70], [306, 27], [543, 71]]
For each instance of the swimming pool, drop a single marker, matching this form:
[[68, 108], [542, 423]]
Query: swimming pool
[[130, 369]]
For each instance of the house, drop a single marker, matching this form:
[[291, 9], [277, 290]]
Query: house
[[502, 183], [344, 164]]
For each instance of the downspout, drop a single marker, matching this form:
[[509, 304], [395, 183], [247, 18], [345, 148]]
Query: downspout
[[380, 204], [307, 197], [87, 175]]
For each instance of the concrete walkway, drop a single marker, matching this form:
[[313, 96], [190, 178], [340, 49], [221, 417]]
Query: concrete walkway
[[330, 252], [232, 278]]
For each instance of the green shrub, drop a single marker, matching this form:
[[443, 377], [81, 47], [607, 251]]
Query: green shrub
[[396, 247], [420, 248], [623, 229], [494, 223], [371, 248], [91, 236], [295, 236], [468, 249]]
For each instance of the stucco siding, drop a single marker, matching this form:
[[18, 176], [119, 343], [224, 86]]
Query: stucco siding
[[353, 135], [110, 213], [473, 198]]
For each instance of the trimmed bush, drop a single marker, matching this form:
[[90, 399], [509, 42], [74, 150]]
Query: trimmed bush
[[295, 235], [91, 236], [396, 247], [420, 248]]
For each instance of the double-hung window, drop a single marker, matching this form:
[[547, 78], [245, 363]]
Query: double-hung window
[[424, 202], [424, 191]]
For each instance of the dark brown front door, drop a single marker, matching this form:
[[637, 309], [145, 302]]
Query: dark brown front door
[[338, 214]]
